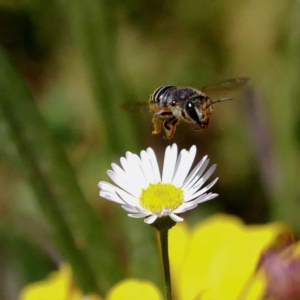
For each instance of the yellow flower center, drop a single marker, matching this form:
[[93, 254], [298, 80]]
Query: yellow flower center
[[160, 196]]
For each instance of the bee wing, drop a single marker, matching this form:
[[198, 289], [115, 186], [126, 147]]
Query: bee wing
[[227, 85], [223, 88], [136, 107]]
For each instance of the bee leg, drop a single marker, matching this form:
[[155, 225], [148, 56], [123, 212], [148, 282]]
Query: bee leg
[[157, 121], [170, 127], [156, 124]]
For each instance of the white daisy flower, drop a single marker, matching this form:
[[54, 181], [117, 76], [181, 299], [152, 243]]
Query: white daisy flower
[[146, 193]]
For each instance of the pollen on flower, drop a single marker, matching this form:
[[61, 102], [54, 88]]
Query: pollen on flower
[[160, 196]]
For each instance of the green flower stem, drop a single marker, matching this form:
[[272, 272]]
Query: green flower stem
[[163, 225], [163, 235]]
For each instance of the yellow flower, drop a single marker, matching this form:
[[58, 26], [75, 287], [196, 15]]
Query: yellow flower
[[58, 286], [134, 289], [216, 260]]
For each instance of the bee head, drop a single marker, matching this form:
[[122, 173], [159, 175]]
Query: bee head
[[199, 111]]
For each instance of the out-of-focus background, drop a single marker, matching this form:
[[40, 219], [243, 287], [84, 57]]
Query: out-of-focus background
[[66, 69]]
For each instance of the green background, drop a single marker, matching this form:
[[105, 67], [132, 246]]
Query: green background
[[66, 68]]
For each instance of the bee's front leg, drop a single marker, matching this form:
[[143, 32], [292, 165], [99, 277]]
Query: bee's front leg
[[170, 127]]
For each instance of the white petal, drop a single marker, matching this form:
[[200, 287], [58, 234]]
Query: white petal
[[192, 204], [175, 218], [178, 162], [106, 186], [128, 165], [131, 189], [137, 174], [207, 174], [137, 208], [164, 212], [125, 165], [146, 167], [185, 207], [131, 209], [118, 170], [199, 179], [154, 165], [197, 185], [150, 219], [202, 191], [111, 197], [201, 198], [209, 196], [169, 163], [132, 174], [143, 210], [184, 166], [136, 215], [124, 196], [127, 198], [196, 173]]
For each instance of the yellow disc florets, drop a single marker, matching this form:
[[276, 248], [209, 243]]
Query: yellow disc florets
[[160, 196]]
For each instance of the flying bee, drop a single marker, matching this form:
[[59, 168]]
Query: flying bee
[[170, 104]]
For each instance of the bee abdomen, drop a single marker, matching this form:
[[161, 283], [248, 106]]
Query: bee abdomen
[[160, 94]]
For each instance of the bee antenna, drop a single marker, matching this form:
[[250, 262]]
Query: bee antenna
[[220, 100]]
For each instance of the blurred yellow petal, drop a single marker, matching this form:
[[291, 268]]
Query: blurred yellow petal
[[216, 260], [221, 259], [59, 286], [56, 286], [134, 290], [254, 288]]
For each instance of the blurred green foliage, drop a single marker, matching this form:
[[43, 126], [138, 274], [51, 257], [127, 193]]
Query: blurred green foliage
[[66, 69]]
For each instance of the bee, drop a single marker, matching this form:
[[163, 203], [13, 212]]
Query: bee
[[170, 104]]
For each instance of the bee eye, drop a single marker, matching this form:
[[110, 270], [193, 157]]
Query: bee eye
[[190, 106], [191, 111], [174, 103]]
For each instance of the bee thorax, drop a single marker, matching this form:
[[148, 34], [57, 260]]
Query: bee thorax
[[177, 112]]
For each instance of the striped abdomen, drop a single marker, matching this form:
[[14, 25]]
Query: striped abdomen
[[160, 97]]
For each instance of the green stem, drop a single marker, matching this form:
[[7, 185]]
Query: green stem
[[163, 235]]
